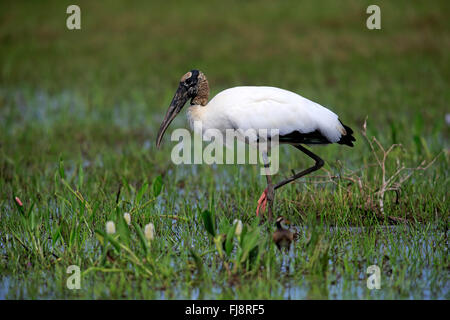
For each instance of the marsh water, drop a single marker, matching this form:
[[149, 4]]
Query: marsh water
[[424, 278]]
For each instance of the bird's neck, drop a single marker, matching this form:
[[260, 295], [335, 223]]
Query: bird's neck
[[202, 94], [196, 113]]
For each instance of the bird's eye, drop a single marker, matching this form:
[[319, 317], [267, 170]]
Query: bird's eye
[[188, 81]]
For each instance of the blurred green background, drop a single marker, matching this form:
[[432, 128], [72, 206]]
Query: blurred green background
[[126, 60]]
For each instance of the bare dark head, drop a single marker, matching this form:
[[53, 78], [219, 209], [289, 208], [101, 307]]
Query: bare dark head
[[189, 82], [193, 85]]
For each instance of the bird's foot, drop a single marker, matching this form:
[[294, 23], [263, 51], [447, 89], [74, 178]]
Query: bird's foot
[[262, 203]]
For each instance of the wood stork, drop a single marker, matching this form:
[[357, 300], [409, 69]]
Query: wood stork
[[297, 119]]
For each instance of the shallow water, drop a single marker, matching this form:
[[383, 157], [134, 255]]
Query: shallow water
[[424, 283]]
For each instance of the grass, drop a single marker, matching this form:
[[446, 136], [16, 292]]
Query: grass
[[79, 113]]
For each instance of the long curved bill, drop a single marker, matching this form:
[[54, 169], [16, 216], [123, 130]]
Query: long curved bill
[[178, 101]]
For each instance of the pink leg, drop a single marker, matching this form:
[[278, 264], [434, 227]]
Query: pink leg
[[262, 202]]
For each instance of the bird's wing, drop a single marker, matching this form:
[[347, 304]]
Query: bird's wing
[[273, 108]]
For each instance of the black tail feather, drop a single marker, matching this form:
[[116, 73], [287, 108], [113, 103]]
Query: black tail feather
[[348, 138]]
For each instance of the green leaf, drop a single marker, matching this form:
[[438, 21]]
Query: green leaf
[[157, 186], [123, 230], [65, 231], [419, 124], [56, 235], [208, 221], [113, 241], [72, 236], [125, 185], [62, 174], [243, 234], [141, 193], [249, 243], [100, 238], [80, 176], [32, 218], [141, 237], [425, 147], [212, 206], [94, 211], [229, 240]]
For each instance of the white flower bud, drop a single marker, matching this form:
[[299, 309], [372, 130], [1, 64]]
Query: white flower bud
[[238, 224], [149, 231], [110, 227], [127, 217]]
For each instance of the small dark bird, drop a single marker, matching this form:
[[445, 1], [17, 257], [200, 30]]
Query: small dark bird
[[282, 237]]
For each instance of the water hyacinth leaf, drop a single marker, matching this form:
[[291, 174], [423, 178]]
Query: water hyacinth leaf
[[157, 186], [141, 193], [141, 236], [208, 221], [229, 240]]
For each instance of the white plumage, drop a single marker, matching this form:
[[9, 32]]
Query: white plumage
[[243, 108]]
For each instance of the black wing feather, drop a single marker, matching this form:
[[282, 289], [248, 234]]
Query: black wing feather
[[316, 137]]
